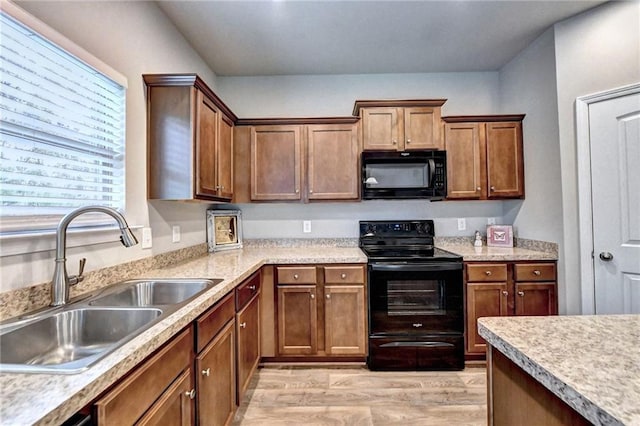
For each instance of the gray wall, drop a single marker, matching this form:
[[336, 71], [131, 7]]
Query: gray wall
[[595, 51]]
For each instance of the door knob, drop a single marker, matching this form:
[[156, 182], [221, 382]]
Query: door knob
[[606, 256]]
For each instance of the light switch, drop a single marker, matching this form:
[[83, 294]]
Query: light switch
[[175, 237], [462, 224], [306, 226], [147, 240]]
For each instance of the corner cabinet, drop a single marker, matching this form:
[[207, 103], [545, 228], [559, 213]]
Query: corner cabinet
[[189, 140], [321, 311], [400, 125], [297, 160], [506, 288], [484, 157]]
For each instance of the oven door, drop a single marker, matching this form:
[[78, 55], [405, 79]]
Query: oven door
[[415, 298]]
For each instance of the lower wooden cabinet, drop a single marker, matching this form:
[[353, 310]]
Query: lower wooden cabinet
[[506, 288], [248, 332], [161, 384], [321, 311]]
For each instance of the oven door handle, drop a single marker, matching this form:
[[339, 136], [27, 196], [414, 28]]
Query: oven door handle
[[417, 267], [417, 345]]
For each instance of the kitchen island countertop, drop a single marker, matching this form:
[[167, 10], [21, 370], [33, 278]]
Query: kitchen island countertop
[[592, 363]]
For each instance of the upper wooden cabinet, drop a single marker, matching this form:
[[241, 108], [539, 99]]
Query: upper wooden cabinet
[[400, 125], [297, 159], [484, 157], [189, 140]]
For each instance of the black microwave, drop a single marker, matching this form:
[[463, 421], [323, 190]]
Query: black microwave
[[406, 174]]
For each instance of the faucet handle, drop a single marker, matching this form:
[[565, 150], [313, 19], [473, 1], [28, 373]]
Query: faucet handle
[[75, 279]]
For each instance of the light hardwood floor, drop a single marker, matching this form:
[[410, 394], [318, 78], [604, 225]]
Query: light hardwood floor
[[357, 396]]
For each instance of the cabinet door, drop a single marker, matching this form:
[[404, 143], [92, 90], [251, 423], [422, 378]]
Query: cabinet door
[[505, 162], [381, 128], [344, 320], [536, 299], [206, 134], [225, 158], [422, 128], [332, 151], [174, 407], [297, 320], [276, 165], [248, 324], [216, 379], [483, 300], [466, 173]]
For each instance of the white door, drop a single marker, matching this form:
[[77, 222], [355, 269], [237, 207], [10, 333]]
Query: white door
[[614, 129]]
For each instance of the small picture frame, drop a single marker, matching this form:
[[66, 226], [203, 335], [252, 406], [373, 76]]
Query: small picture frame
[[224, 230], [499, 236]]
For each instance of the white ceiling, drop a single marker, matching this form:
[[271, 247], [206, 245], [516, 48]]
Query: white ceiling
[[279, 37]]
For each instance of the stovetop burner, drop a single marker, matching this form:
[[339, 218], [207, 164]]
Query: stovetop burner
[[401, 240]]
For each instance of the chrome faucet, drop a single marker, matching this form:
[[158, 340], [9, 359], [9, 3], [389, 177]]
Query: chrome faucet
[[61, 281]]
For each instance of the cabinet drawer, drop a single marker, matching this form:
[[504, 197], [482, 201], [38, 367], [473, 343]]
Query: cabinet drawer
[[296, 274], [343, 274], [487, 272], [246, 290], [535, 272], [129, 400], [212, 321]]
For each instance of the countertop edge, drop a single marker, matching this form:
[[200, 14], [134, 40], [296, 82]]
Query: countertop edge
[[562, 390]]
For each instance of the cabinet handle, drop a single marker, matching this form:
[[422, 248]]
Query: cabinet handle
[[343, 276], [206, 372], [505, 293], [296, 276], [191, 394], [536, 272], [243, 325], [252, 287], [487, 273], [521, 293]]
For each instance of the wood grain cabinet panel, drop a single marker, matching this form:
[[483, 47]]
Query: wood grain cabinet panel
[[297, 319], [332, 154], [483, 300], [484, 157], [400, 125], [276, 163], [345, 320], [189, 140], [248, 352], [174, 407]]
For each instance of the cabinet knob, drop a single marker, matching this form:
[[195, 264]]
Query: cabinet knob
[[343, 276], [521, 293], [328, 296], [394, 142], [191, 394], [408, 141], [252, 287], [243, 325], [478, 188], [505, 293], [296, 276], [487, 273], [493, 188], [536, 272], [313, 296], [297, 190], [311, 191], [206, 372]]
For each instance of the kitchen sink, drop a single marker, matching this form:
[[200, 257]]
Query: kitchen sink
[[153, 292], [71, 340]]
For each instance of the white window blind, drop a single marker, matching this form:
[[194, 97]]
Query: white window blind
[[62, 126]]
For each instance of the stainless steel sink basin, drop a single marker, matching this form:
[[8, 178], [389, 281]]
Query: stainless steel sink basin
[[71, 340], [159, 292]]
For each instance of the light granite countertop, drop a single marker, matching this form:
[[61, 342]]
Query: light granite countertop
[[592, 363], [51, 399]]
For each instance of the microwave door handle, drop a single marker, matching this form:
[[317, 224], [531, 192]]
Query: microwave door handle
[[432, 171]]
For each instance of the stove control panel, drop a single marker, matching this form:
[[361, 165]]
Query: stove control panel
[[396, 228]]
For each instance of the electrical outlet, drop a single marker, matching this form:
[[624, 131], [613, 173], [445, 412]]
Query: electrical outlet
[[146, 238], [491, 221], [462, 224], [306, 226], [175, 237]]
